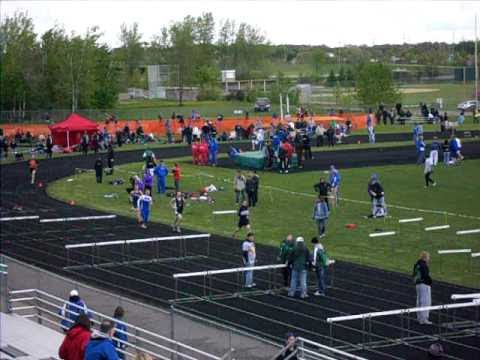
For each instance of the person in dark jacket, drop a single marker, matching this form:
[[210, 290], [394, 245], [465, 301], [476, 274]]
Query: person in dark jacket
[[286, 249], [250, 190], [72, 309], [423, 284], [98, 170], [291, 350], [300, 262], [120, 336], [322, 188], [49, 146], [100, 346], [76, 340], [256, 185]]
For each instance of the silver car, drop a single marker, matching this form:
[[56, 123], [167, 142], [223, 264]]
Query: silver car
[[468, 105]]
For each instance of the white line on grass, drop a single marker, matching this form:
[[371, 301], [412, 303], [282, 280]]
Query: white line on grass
[[365, 202]]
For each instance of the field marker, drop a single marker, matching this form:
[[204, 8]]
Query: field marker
[[455, 251], [410, 220], [465, 232], [15, 218], [385, 233], [441, 227], [80, 218]]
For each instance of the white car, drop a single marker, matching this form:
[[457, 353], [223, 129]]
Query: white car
[[468, 105]]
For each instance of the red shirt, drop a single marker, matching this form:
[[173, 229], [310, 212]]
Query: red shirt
[[176, 173], [74, 344], [288, 148]]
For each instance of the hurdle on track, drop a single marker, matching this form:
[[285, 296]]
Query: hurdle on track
[[454, 251], [207, 276], [366, 318], [225, 212], [17, 218], [125, 249], [465, 296], [79, 218], [467, 232]]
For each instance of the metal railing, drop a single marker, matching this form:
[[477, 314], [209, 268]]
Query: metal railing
[[38, 304], [305, 349]]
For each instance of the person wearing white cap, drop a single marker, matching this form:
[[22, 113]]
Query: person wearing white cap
[[320, 263], [72, 309], [300, 262]]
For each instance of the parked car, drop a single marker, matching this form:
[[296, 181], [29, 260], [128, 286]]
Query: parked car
[[262, 104], [468, 105]]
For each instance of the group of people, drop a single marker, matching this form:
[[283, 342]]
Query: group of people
[[82, 342], [297, 260]]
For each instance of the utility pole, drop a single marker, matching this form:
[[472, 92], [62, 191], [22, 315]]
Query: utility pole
[[476, 64]]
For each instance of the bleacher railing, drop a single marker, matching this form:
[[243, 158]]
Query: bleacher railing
[[40, 305]]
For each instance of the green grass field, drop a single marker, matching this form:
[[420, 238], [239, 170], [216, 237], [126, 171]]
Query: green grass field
[[286, 203]]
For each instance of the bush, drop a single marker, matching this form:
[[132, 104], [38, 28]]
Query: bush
[[209, 93], [238, 95]]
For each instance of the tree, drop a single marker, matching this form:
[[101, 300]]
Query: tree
[[331, 79], [131, 53], [374, 85], [318, 59], [341, 76]]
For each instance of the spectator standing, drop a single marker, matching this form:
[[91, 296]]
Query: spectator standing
[[101, 346], [120, 336], [320, 134], [286, 249], [243, 218], [334, 184], [320, 263], [434, 148], [84, 143], [331, 136], [256, 186], [250, 190], [420, 147], [377, 195], [446, 153], [33, 167], [212, 151], [371, 134], [177, 176], [98, 170], [161, 172], [320, 215], [428, 172], [168, 130], [299, 148], [239, 185], [110, 158], [148, 180], [76, 339], [307, 146], [49, 146], [249, 257], [461, 118], [322, 188], [300, 261], [423, 284], [71, 310]]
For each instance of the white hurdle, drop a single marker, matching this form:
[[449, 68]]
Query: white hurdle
[[435, 228], [453, 251], [467, 232], [465, 296], [18, 218], [79, 218], [225, 212], [182, 248], [208, 273], [380, 234], [402, 221]]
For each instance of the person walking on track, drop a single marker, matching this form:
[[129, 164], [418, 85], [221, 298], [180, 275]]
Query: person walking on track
[[177, 204]]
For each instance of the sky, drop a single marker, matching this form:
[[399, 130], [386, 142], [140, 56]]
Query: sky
[[332, 23]]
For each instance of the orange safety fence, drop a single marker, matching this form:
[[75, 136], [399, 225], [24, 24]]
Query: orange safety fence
[[157, 127]]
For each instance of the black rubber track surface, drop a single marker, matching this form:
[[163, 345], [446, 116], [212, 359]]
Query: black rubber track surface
[[356, 288]]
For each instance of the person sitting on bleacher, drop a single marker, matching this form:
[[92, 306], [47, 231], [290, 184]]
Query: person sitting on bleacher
[[76, 340], [72, 309]]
